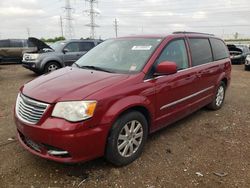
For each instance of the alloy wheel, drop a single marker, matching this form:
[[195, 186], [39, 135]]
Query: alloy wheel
[[52, 67], [130, 138], [220, 96]]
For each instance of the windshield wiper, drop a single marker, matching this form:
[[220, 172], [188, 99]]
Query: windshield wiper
[[76, 65], [95, 68]]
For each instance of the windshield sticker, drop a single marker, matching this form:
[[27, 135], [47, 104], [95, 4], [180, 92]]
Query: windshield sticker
[[133, 67], [141, 47]]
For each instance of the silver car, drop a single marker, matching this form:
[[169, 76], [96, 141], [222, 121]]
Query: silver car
[[60, 54]]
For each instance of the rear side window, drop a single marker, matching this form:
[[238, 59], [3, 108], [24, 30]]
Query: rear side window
[[220, 50], [200, 51], [86, 46], [4, 43], [17, 43], [176, 52]]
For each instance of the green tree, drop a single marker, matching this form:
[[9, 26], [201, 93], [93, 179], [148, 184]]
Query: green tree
[[52, 40]]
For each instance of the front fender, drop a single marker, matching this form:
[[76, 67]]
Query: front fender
[[120, 106]]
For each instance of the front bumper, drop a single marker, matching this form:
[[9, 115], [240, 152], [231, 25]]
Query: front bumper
[[30, 65], [61, 141], [247, 64], [238, 60]]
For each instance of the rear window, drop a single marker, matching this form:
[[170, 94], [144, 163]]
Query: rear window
[[220, 50], [4, 43], [86, 46], [200, 51]]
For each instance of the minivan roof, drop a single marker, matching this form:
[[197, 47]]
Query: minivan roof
[[179, 33], [81, 40]]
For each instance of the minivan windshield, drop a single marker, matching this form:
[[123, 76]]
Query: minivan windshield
[[119, 55]]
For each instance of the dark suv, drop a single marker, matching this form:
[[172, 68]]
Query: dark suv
[[60, 54], [11, 50], [108, 102]]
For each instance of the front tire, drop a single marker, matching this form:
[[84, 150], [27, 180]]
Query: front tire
[[219, 97], [51, 66], [127, 138]]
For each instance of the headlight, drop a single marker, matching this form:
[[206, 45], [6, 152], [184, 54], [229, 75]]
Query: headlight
[[74, 110], [33, 56]]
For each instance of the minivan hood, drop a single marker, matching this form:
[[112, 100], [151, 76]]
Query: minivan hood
[[39, 44], [68, 84]]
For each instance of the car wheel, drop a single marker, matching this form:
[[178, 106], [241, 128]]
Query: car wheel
[[51, 66], [127, 138], [218, 98]]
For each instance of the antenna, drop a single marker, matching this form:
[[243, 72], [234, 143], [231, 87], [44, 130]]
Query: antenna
[[92, 14], [69, 31]]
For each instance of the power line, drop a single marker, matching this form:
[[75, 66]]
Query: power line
[[92, 14], [116, 27], [61, 25], [69, 31], [28, 31]]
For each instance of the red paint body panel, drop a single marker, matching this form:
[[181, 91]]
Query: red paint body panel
[[116, 93]]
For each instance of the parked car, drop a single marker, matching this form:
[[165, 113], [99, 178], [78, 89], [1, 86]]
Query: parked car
[[60, 54], [108, 102], [11, 50], [247, 63], [238, 53]]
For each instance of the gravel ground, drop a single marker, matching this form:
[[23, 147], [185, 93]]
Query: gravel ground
[[188, 153]]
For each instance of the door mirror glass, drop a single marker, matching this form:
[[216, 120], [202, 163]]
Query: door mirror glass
[[166, 68]]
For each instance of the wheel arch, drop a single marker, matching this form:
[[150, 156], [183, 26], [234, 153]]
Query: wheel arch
[[125, 105]]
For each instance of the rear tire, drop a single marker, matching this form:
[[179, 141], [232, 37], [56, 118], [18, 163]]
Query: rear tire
[[219, 97], [127, 138], [51, 66]]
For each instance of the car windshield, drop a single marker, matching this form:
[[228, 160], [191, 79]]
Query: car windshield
[[57, 45], [120, 55]]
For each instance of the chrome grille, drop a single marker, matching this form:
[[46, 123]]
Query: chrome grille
[[29, 110]]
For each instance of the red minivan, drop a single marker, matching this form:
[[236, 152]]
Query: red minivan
[[108, 102]]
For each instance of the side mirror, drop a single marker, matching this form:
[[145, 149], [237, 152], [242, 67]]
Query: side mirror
[[65, 50], [166, 68]]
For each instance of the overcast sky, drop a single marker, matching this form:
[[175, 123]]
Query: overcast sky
[[221, 17]]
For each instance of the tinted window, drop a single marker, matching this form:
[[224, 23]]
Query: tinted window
[[220, 50], [17, 43], [73, 47], [86, 46], [200, 51], [4, 43], [175, 52], [30, 44]]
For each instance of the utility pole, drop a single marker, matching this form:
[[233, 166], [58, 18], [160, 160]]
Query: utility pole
[[69, 31], [28, 31], [92, 14], [61, 25], [116, 27]]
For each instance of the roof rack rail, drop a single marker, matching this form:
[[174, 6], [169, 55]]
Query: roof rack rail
[[186, 32]]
